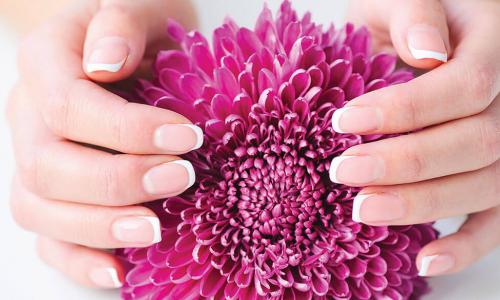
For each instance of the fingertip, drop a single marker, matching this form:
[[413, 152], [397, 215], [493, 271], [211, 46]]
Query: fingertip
[[426, 46], [89, 267], [419, 32], [115, 43]]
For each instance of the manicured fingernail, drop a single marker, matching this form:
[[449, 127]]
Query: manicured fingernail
[[425, 41], [436, 264], [356, 119], [356, 169], [108, 54], [105, 277], [377, 208], [140, 230], [178, 137], [169, 178]]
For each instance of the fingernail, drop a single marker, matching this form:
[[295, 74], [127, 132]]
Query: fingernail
[[105, 277], [108, 54], [141, 230], [356, 119], [377, 208], [169, 178], [425, 41], [435, 264], [356, 169], [178, 137]]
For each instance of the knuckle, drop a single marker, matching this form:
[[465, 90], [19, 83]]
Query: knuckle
[[116, 174], [31, 168], [487, 129], [406, 103], [122, 127], [19, 212], [89, 231], [496, 179], [28, 167], [429, 205], [56, 111], [110, 180], [415, 163], [480, 80]]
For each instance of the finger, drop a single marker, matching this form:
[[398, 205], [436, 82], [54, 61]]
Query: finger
[[77, 109], [429, 200], [460, 88], [416, 29], [119, 31], [92, 115], [59, 169], [88, 267], [67, 171], [92, 226], [419, 32], [423, 155], [457, 251]]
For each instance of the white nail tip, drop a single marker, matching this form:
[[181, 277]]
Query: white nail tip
[[425, 264], [113, 68], [114, 277], [356, 206], [335, 165], [336, 119], [189, 168], [199, 135], [155, 224], [421, 54]]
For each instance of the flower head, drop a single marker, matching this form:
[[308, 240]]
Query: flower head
[[263, 220]]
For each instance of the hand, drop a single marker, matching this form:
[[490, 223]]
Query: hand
[[70, 189], [452, 166]]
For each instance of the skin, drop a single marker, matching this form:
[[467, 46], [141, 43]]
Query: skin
[[69, 193], [55, 107], [452, 166]]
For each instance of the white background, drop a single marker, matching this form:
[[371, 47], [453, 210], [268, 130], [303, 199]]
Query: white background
[[23, 276]]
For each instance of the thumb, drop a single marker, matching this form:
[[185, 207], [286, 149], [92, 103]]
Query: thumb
[[419, 32], [119, 31]]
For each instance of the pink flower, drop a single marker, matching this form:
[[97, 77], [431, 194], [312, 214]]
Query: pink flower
[[263, 220]]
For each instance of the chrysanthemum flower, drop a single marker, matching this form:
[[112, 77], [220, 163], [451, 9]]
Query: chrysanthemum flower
[[263, 220]]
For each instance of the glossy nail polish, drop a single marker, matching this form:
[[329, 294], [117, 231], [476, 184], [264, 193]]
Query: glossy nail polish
[[178, 137], [108, 54], [170, 178]]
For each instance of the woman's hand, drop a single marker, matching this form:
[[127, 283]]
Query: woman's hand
[[452, 166], [69, 189]]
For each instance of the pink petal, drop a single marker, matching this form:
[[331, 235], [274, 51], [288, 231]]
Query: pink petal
[[191, 85], [248, 42], [221, 106], [211, 283], [175, 31], [173, 59], [226, 82], [203, 58]]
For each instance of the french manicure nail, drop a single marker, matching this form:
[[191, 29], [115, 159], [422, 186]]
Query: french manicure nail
[[178, 137], [425, 41], [377, 208], [435, 264], [108, 54], [105, 277], [140, 230], [169, 178], [356, 169], [356, 119]]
